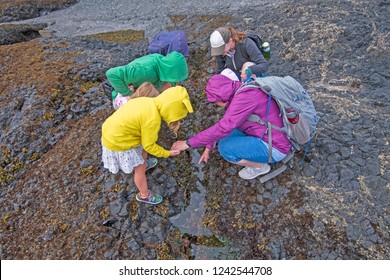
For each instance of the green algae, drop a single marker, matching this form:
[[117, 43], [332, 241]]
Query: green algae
[[121, 36]]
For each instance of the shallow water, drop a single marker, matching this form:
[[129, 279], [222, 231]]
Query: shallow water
[[204, 244]]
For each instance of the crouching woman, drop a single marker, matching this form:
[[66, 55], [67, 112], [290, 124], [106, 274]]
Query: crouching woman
[[240, 141]]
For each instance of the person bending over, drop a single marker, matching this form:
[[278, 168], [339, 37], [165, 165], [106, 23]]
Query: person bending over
[[157, 69], [232, 48], [131, 133], [240, 141]]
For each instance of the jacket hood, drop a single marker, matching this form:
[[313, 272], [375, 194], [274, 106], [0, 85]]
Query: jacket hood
[[173, 104], [221, 88], [173, 67]]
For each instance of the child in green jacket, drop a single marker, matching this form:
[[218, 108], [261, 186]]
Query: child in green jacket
[[162, 71]]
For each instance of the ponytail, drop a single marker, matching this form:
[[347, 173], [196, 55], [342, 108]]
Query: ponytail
[[237, 36]]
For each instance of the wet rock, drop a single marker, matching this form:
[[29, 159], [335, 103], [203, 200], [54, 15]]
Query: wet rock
[[48, 235], [276, 249], [334, 208], [256, 208], [14, 11], [110, 222], [319, 226], [310, 170], [353, 232], [367, 244], [85, 163], [77, 108], [346, 174], [124, 211], [111, 255], [17, 33], [46, 33], [132, 245]]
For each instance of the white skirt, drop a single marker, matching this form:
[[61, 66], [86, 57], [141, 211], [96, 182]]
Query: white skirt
[[125, 161]]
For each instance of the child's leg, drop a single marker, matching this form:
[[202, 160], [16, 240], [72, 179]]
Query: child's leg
[[140, 177], [145, 195]]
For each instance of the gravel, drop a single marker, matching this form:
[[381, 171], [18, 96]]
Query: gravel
[[96, 16]]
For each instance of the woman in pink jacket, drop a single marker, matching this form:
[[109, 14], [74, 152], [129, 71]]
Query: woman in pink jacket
[[240, 141]]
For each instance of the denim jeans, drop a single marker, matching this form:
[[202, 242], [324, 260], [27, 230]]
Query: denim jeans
[[238, 146]]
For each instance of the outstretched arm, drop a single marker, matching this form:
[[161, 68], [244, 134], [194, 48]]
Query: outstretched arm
[[180, 145], [205, 156]]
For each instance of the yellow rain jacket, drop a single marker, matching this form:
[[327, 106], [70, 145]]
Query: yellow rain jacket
[[139, 121]]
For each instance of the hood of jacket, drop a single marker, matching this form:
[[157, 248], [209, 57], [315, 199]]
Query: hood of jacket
[[173, 104], [221, 88], [172, 67]]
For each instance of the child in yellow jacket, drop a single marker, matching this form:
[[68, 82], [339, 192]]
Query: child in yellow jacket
[[131, 133]]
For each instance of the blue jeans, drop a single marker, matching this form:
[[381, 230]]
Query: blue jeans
[[238, 146]]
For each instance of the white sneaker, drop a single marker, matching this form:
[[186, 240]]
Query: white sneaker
[[249, 173]]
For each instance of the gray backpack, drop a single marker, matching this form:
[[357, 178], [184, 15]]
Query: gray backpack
[[297, 109]]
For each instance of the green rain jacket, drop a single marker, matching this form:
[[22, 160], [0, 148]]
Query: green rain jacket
[[153, 68]]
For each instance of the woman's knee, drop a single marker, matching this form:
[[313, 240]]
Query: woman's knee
[[226, 151]]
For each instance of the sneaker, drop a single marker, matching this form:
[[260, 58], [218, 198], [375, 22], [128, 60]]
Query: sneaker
[[152, 198], [249, 173], [150, 163]]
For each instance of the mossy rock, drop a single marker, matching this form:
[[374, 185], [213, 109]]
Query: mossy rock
[[25, 9], [17, 33], [121, 36]]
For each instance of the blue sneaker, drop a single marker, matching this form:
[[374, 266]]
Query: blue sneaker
[[152, 198], [150, 163]]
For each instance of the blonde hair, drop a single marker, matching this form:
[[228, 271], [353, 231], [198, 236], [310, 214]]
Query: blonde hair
[[236, 35], [174, 126], [145, 90]]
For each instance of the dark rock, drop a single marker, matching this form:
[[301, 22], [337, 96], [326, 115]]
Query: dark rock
[[132, 245], [17, 33], [51, 130], [14, 11], [110, 222]]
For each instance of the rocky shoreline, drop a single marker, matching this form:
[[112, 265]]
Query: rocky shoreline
[[21, 9], [57, 202]]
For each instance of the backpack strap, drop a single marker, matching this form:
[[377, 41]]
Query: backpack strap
[[269, 130], [257, 119], [278, 171], [254, 118]]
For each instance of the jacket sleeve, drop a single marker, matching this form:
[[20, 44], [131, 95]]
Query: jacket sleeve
[[221, 61], [149, 137], [236, 114], [116, 79], [255, 55]]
